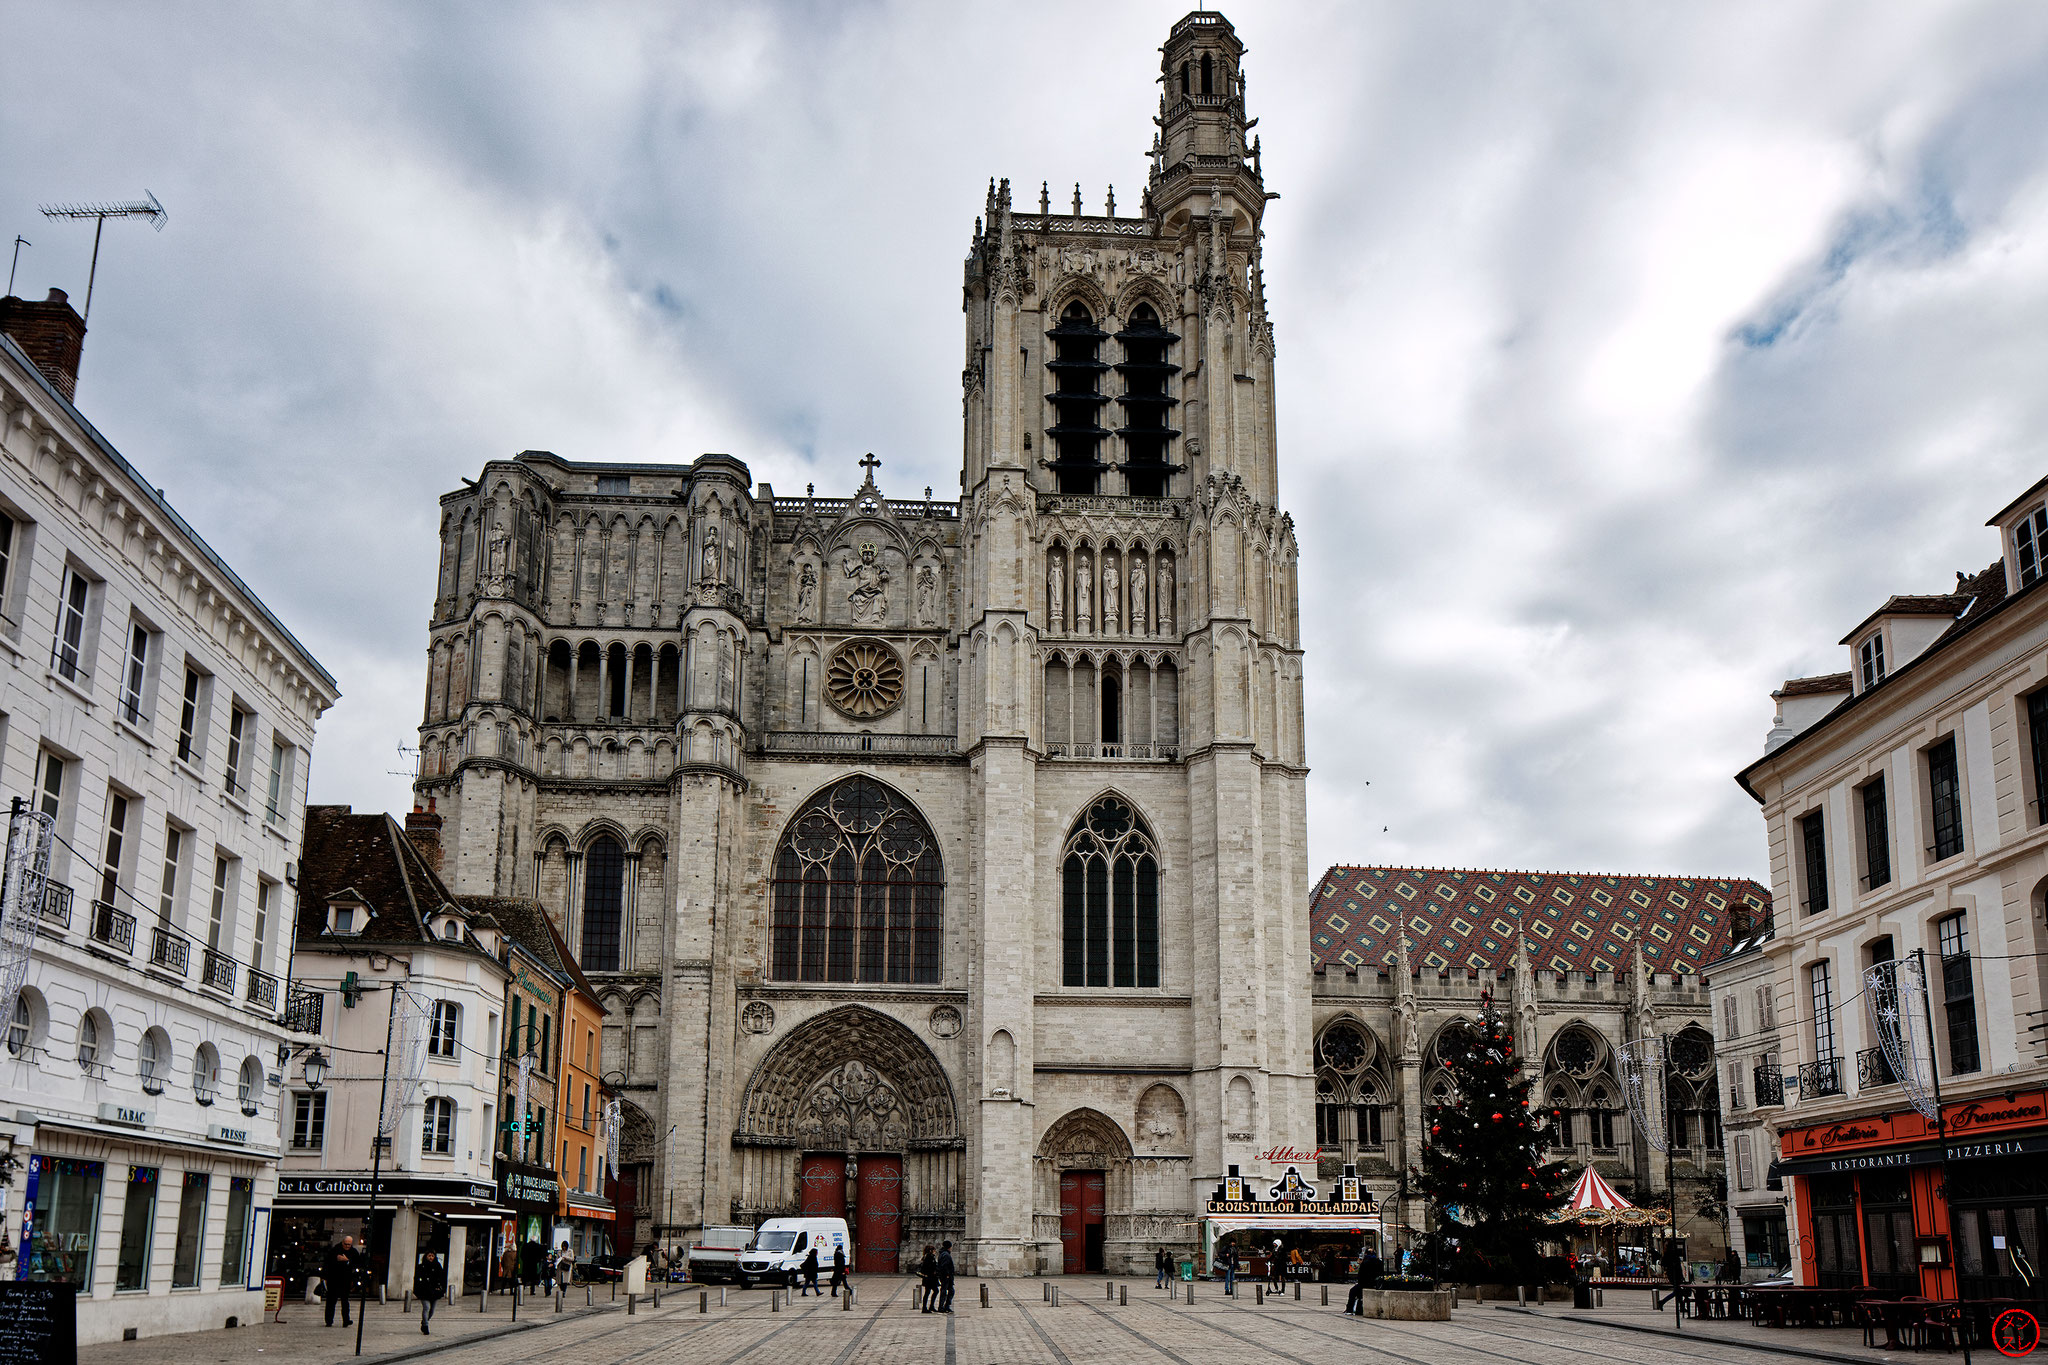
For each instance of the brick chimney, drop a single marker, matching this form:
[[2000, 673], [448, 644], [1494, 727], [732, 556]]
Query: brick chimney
[[423, 827], [50, 334]]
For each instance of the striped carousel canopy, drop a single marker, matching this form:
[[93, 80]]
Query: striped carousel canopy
[[1594, 1201]]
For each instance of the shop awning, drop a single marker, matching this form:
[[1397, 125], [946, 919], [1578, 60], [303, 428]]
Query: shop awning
[[463, 1213]]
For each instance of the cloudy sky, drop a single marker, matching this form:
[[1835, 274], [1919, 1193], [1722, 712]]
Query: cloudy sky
[[1628, 353]]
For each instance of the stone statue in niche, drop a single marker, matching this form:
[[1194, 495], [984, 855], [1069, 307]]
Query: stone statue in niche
[[1081, 614], [495, 560], [867, 598], [1055, 593], [1165, 596], [709, 573], [927, 595], [1137, 596], [1109, 595], [807, 595]]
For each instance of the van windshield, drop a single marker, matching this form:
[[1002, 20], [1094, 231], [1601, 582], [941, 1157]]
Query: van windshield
[[774, 1241]]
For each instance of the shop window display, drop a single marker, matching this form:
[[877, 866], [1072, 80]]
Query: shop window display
[[65, 1196]]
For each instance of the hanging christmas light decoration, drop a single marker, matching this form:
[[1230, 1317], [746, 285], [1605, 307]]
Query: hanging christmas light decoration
[[611, 1134], [408, 1056], [1898, 1010], [1643, 1082], [29, 836]]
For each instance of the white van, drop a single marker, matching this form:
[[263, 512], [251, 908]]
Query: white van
[[781, 1246]]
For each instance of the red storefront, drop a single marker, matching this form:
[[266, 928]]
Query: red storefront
[[1868, 1205]]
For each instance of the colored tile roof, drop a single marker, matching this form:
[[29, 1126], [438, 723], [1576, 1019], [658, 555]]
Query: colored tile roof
[[1459, 920]]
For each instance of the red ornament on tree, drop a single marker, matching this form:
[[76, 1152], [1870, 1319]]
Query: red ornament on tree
[[1496, 1118]]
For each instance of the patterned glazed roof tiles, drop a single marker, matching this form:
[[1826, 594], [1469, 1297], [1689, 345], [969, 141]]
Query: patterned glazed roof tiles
[[1580, 922]]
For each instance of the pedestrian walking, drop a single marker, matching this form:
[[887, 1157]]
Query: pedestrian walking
[[1275, 1264], [1230, 1269], [809, 1274], [531, 1254], [947, 1272], [429, 1283], [564, 1269], [1163, 1264], [338, 1278], [839, 1271], [928, 1279]]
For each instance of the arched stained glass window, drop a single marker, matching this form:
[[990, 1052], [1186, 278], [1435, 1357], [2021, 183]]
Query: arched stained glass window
[[604, 904], [858, 890], [1110, 896]]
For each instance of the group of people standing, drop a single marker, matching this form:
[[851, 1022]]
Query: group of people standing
[[935, 1275]]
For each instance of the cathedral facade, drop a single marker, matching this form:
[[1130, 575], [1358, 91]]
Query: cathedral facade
[[942, 864]]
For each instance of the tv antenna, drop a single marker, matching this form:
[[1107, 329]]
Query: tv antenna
[[147, 208], [411, 758], [19, 242]]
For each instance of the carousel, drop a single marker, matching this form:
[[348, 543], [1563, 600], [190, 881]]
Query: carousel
[[1592, 1222]]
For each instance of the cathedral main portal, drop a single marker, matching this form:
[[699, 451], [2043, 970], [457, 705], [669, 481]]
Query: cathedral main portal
[[852, 1117]]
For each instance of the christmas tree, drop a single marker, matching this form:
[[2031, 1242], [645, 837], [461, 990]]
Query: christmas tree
[[1483, 1169]]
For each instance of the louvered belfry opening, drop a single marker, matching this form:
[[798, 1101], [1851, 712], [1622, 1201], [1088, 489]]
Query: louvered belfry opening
[[1078, 400], [1146, 403]]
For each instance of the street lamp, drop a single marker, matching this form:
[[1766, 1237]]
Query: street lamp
[[316, 1068]]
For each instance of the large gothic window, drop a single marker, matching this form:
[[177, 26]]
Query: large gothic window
[[1350, 1089], [1110, 896], [604, 904], [857, 891]]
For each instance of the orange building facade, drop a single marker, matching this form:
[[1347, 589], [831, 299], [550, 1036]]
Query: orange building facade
[[585, 1216]]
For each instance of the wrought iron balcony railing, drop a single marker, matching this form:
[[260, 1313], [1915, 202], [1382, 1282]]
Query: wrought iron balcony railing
[[1820, 1078], [169, 950], [1770, 1085], [57, 905], [218, 972], [262, 990], [113, 927], [1873, 1068], [303, 1009]]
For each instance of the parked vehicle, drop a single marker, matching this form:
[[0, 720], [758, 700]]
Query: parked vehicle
[[715, 1255], [780, 1245]]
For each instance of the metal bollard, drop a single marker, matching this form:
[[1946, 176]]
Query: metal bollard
[[1123, 1297], [1188, 1291], [1326, 1296], [586, 1293], [558, 1301], [406, 1302], [1109, 1291], [1055, 1297], [721, 1296], [632, 1305], [1046, 1287], [775, 1300], [1521, 1296], [847, 1305], [703, 1301], [1297, 1291], [984, 1296]]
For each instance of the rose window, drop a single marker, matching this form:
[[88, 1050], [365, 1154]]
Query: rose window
[[864, 679]]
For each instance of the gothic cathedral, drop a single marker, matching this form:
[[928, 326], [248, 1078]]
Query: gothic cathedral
[[941, 864]]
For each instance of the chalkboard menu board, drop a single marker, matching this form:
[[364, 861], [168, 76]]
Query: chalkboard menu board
[[38, 1322]]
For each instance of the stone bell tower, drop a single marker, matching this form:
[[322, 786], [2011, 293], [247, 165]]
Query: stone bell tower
[[1131, 637]]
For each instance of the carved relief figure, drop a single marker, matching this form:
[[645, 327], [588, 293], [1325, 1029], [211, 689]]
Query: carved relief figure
[[927, 595], [1081, 614], [1110, 579], [807, 595], [1055, 593], [1137, 596], [1165, 596], [495, 561], [866, 597]]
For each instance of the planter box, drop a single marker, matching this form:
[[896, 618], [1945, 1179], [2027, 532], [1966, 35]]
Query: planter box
[[1408, 1305]]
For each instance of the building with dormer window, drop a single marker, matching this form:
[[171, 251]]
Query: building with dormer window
[[1904, 806]]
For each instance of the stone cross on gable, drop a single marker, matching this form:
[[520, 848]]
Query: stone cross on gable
[[870, 464]]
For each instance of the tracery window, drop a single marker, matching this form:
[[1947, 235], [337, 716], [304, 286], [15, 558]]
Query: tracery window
[[1350, 1093], [858, 890], [1110, 898], [604, 901]]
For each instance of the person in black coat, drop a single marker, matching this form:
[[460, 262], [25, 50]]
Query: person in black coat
[[429, 1283], [839, 1271], [531, 1255], [809, 1274], [338, 1278], [928, 1279], [946, 1274], [1370, 1268]]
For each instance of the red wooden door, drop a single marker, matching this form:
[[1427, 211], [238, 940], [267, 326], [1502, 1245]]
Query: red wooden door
[[1083, 1212], [821, 1185], [878, 1215]]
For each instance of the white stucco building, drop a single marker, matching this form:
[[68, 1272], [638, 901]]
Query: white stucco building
[[164, 717]]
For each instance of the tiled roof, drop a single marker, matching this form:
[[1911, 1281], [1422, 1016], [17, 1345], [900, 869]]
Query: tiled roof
[[1573, 921], [371, 855], [1818, 686], [526, 923]]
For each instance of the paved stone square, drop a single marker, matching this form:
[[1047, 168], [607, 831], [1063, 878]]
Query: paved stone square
[[1019, 1325]]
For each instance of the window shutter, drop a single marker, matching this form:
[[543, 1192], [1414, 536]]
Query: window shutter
[[1745, 1173]]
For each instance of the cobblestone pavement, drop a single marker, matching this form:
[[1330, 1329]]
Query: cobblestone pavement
[[1018, 1326]]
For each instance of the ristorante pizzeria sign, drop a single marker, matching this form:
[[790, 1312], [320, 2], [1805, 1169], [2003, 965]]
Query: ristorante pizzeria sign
[[1971, 1126]]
